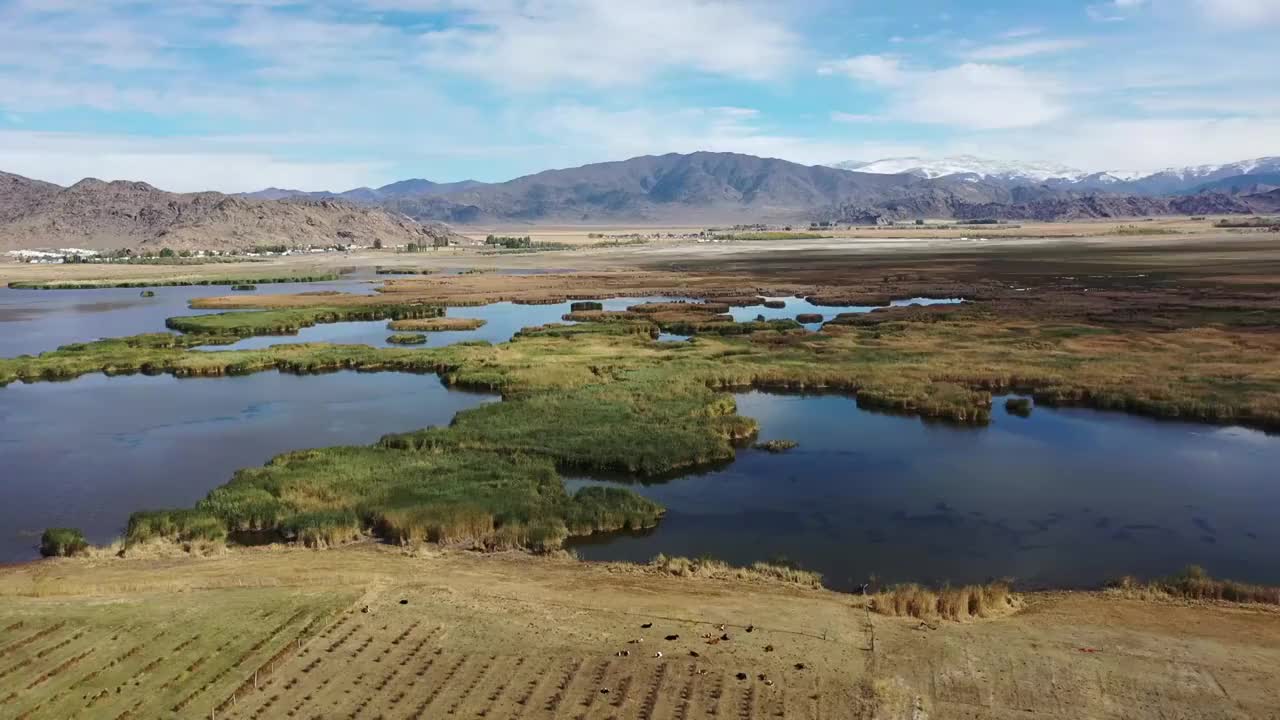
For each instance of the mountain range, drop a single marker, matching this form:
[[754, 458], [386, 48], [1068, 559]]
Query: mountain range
[[701, 188], [1236, 177], [705, 187], [107, 215]]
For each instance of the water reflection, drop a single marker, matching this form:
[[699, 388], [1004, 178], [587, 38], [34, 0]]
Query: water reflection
[[1064, 497], [793, 306], [35, 321], [88, 452]]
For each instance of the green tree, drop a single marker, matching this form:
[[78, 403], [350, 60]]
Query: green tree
[[167, 252]]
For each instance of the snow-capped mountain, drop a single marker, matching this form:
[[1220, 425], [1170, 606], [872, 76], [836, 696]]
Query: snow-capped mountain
[[1170, 181], [963, 165]]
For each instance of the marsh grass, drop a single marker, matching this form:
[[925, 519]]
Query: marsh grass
[[174, 525], [585, 305], [1194, 583], [777, 446], [808, 318], [247, 323], [172, 282], [323, 528], [331, 496], [712, 308], [1020, 407], [436, 324], [711, 568], [62, 542], [244, 287], [645, 424], [948, 603], [407, 339], [403, 271]]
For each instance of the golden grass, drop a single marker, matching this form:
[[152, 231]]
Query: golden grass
[[1193, 583], [439, 324], [949, 603], [718, 569]]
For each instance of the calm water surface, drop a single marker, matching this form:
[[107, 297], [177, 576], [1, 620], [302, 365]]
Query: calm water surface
[[1065, 497], [796, 306], [503, 320], [34, 321], [88, 452]]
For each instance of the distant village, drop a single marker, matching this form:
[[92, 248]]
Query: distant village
[[62, 256]]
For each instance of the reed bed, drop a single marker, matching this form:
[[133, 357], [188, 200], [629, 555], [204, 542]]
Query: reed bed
[[948, 603], [326, 497], [712, 568], [248, 323], [169, 282], [62, 542], [1194, 583], [407, 339], [436, 324]]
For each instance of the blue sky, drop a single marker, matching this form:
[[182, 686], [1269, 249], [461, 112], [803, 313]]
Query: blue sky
[[243, 94]]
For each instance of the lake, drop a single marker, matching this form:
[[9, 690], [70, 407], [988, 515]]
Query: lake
[[1066, 497], [89, 452], [34, 321]]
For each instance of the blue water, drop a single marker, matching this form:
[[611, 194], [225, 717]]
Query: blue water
[[1066, 497], [34, 321], [796, 306], [503, 321], [89, 452]]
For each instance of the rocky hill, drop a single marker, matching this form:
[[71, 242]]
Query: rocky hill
[[1267, 202], [107, 215], [717, 188]]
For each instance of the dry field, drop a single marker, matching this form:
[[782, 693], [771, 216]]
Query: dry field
[[373, 632]]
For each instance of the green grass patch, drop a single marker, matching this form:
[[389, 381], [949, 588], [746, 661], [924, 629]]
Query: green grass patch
[[474, 497], [247, 323], [408, 339], [62, 542], [647, 423]]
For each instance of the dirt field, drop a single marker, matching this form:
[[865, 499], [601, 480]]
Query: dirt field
[[667, 253], [371, 631]]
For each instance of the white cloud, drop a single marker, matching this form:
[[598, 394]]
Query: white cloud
[[1114, 10], [228, 164], [876, 69], [1020, 32], [844, 117], [526, 45], [1241, 13], [592, 134], [971, 95], [1144, 144], [1026, 48]]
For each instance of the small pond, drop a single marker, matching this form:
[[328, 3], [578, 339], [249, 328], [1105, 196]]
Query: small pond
[[796, 306]]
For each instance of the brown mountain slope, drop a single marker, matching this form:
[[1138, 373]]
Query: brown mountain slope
[[106, 215]]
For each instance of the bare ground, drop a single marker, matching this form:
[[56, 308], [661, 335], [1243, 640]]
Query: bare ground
[[371, 631]]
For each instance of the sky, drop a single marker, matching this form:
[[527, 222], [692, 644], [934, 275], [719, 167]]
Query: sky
[[238, 95]]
